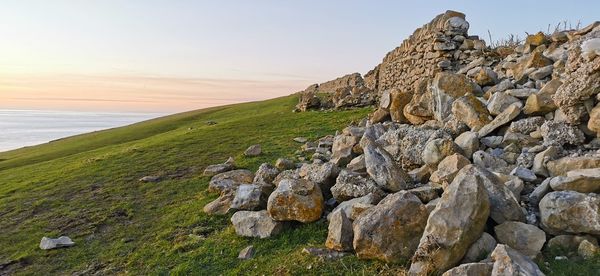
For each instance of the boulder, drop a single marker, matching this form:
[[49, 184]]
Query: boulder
[[265, 174], [503, 118], [380, 115], [500, 101], [322, 174], [456, 222], [594, 121], [541, 159], [346, 206], [569, 243], [471, 111], [527, 125], [486, 77], [340, 233], [480, 249], [563, 165], [468, 142], [358, 165], [488, 161], [221, 205], [254, 150], [588, 250], [472, 269], [230, 180], [296, 200], [390, 231], [445, 88], [560, 134], [342, 149], [508, 261], [577, 183], [217, 169], [399, 101], [437, 149], [49, 243], [541, 103], [448, 168], [251, 197], [427, 192], [525, 65], [382, 167], [525, 238], [351, 185], [283, 164], [255, 224], [570, 212]]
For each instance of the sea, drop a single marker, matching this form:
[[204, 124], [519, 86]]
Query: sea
[[21, 128]]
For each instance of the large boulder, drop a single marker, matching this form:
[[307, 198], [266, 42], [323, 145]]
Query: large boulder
[[322, 174], [471, 111], [445, 88], [560, 134], [578, 183], [251, 197], [526, 238], [563, 165], [351, 185], [296, 199], [265, 174], [570, 212], [390, 231], [448, 168], [340, 234], [456, 222], [399, 100], [508, 261], [255, 224], [382, 167], [230, 180]]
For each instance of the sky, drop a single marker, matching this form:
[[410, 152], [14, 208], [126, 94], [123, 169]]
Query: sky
[[178, 55]]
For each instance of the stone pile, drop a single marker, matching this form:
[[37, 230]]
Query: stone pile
[[482, 159]]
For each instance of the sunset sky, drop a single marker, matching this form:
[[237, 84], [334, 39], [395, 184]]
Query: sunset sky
[[176, 55]]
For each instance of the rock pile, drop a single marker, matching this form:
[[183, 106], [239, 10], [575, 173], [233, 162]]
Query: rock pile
[[475, 161]]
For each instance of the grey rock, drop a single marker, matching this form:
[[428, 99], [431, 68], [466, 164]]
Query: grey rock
[[255, 224], [383, 169], [217, 169], [471, 269], [508, 261], [251, 197], [570, 212], [503, 118], [346, 206], [284, 164], [265, 174], [247, 253], [49, 243], [480, 249], [351, 185], [340, 233], [525, 238], [296, 200], [500, 101], [254, 150], [560, 133], [468, 141], [524, 173], [230, 180]]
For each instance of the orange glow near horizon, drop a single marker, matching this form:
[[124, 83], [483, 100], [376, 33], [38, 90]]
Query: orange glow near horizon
[[133, 93]]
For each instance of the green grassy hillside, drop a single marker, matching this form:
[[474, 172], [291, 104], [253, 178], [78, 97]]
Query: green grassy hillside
[[86, 187]]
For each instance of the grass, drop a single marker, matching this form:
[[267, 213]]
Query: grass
[[86, 187]]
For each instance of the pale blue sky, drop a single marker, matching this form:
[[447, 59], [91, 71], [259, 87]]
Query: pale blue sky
[[277, 46]]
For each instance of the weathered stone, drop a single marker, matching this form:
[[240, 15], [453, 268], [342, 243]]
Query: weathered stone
[[255, 224], [217, 169], [570, 212], [448, 168], [265, 174], [296, 199], [524, 173], [254, 150], [541, 73], [247, 253], [421, 174], [563, 165], [488, 161], [542, 102], [324, 253], [390, 231], [340, 233], [380, 115], [230, 180], [322, 174], [525, 238], [503, 118], [527, 125], [534, 60], [351, 185], [540, 160], [472, 269], [382, 167], [437, 149], [49, 243], [221, 205], [399, 100], [536, 39], [468, 141], [346, 206], [300, 140], [521, 93], [456, 222], [342, 149], [500, 101], [594, 121], [569, 243], [508, 261], [284, 164], [539, 192], [560, 133], [486, 76], [150, 179], [588, 250], [471, 111], [427, 193], [480, 249], [358, 209], [251, 197], [358, 165], [577, 183], [445, 88]]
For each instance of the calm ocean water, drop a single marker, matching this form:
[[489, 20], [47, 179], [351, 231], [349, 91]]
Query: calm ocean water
[[19, 128]]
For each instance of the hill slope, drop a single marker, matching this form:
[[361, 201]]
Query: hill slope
[[86, 187]]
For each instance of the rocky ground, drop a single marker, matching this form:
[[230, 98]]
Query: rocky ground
[[476, 161]]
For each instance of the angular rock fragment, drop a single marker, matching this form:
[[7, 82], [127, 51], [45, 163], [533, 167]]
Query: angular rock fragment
[[340, 233], [508, 261], [570, 212], [296, 199], [255, 224]]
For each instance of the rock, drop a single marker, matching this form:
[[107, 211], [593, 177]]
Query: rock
[[296, 199], [523, 67], [347, 206], [427, 193], [255, 224], [525, 238], [283, 164], [437, 149], [560, 133], [230, 180], [503, 118], [588, 250], [468, 142], [420, 175], [541, 73], [342, 149], [472, 269], [150, 179], [456, 25], [323, 175], [540, 160], [357, 165], [563, 165], [488, 161], [448, 168], [539, 192], [524, 173], [49, 243], [254, 150], [390, 231], [486, 77], [287, 174], [351, 185], [594, 122], [380, 115], [385, 99], [217, 169], [382, 167], [527, 125], [579, 183], [521, 93], [358, 209], [446, 87], [471, 111], [537, 39], [508, 261], [399, 100], [340, 233], [542, 102], [265, 174], [480, 249], [251, 197], [504, 205], [570, 212], [324, 253], [456, 222], [300, 140], [221, 205], [569, 243], [247, 253], [500, 101]]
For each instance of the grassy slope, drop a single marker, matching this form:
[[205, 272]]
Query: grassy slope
[[86, 187]]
